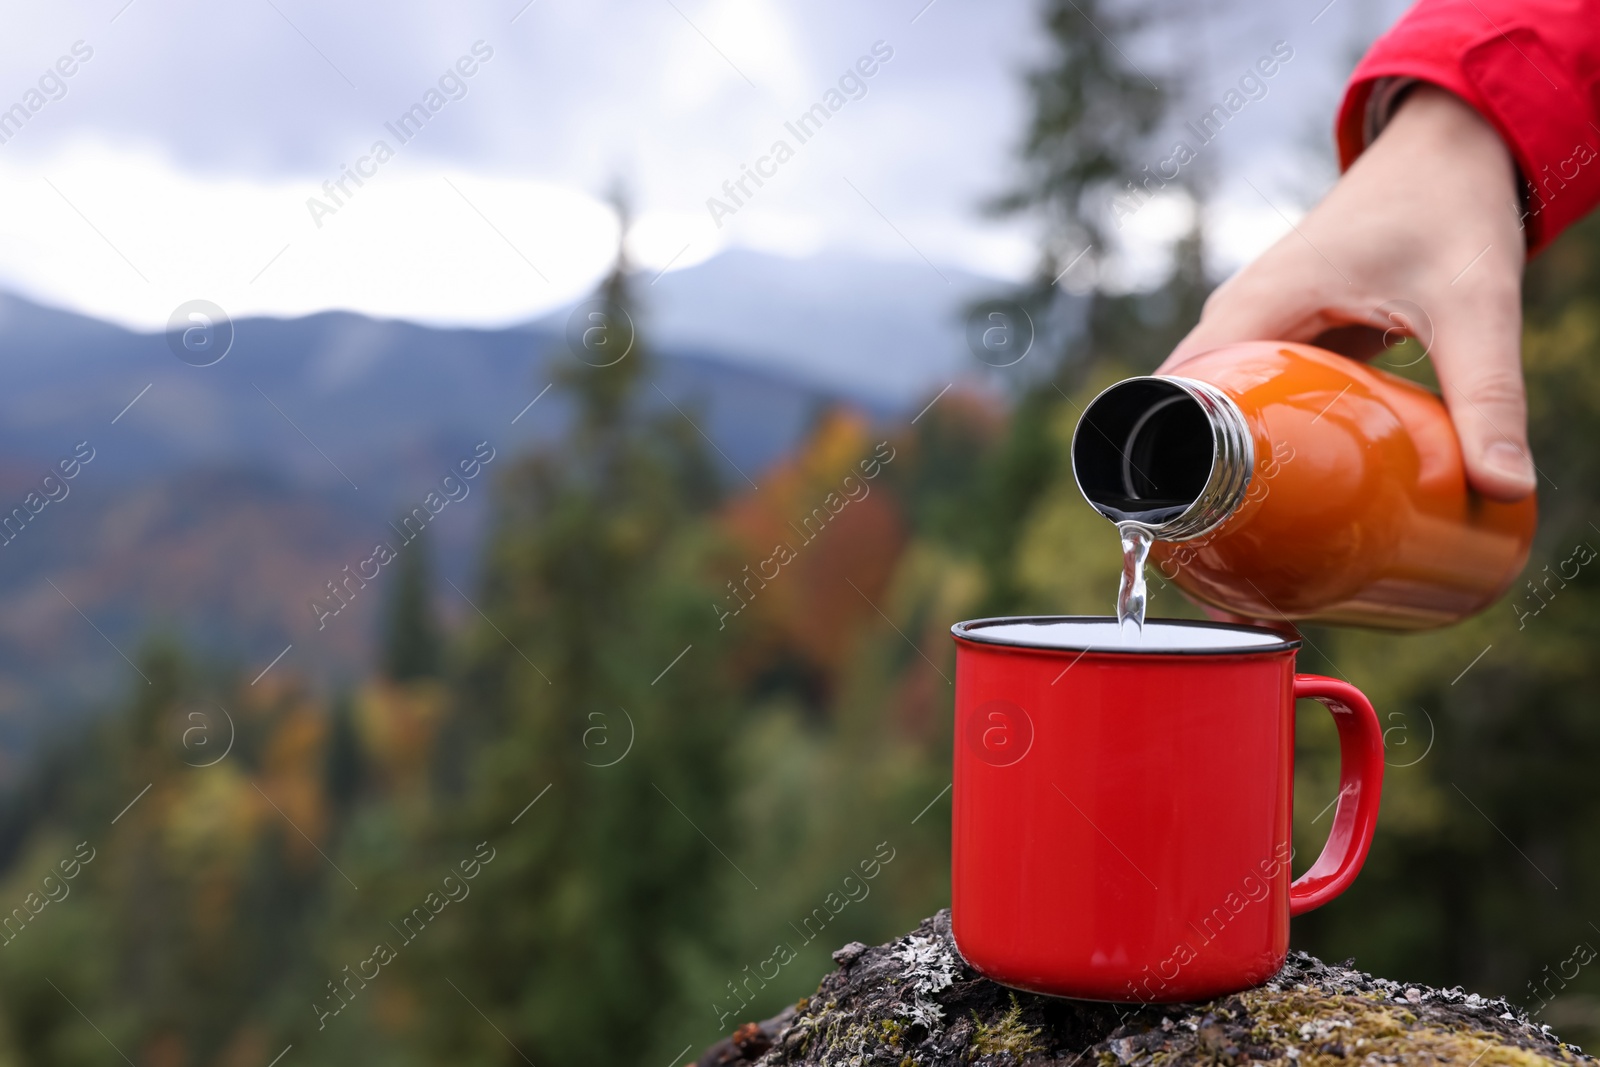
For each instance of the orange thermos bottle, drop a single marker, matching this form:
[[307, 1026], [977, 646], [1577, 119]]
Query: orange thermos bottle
[[1284, 482]]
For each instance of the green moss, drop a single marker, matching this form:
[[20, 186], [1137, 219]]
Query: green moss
[[1346, 1028], [1006, 1035]]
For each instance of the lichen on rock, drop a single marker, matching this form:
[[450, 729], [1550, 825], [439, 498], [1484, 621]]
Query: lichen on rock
[[916, 1003], [931, 965]]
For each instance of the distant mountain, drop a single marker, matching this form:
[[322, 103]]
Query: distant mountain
[[220, 500], [894, 331]]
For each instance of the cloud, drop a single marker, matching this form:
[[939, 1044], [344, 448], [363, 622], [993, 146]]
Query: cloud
[[194, 137], [129, 236]]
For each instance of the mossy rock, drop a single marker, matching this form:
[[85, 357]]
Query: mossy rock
[[916, 1002]]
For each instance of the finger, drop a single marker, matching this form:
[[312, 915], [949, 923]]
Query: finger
[[1263, 302], [1478, 358]]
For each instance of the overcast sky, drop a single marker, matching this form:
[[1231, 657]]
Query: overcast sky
[[177, 159]]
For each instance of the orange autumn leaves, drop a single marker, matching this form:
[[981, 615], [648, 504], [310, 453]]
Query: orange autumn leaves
[[816, 546]]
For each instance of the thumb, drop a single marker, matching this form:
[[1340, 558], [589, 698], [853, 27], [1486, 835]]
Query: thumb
[[1479, 365]]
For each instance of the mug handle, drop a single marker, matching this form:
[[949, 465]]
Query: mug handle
[[1360, 785]]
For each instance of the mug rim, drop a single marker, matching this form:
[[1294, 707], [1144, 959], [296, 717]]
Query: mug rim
[[972, 630]]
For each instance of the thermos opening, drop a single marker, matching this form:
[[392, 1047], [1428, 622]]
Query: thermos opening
[[1143, 451]]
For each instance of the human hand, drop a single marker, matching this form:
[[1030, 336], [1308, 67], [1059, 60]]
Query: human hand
[[1425, 214]]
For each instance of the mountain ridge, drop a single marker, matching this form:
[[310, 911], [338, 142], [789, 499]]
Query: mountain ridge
[[216, 492]]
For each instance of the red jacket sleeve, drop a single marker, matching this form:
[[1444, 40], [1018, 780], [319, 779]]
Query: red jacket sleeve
[[1530, 67]]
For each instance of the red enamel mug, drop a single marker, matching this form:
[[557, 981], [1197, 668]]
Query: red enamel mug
[[1123, 806]]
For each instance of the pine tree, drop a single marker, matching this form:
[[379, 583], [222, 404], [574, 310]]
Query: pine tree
[[1093, 113], [1089, 161], [1085, 156], [342, 766], [411, 646], [604, 687]]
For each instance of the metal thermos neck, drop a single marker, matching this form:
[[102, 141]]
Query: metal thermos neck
[[1172, 456]]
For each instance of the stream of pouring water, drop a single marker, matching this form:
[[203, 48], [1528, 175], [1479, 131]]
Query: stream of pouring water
[[1131, 594]]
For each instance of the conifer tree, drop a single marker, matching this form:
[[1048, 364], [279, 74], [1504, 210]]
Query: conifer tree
[[1093, 112], [411, 646], [1092, 132], [609, 707]]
